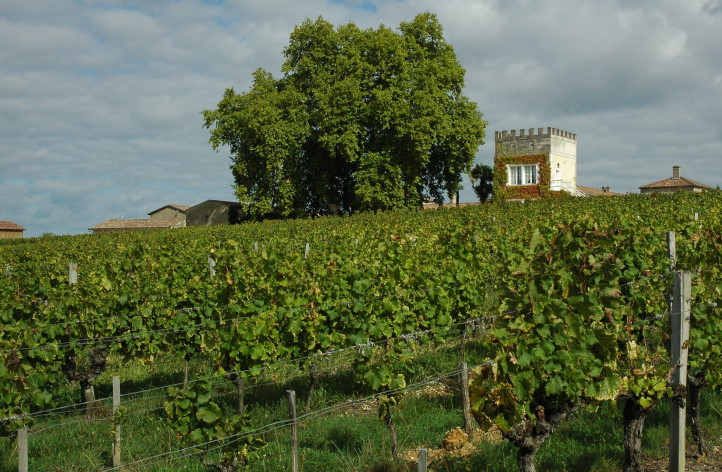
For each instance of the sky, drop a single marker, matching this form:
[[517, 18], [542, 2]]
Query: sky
[[100, 101]]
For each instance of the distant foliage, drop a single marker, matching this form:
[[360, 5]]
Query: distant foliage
[[482, 181]]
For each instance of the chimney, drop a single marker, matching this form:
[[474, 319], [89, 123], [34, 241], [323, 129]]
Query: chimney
[[675, 172]]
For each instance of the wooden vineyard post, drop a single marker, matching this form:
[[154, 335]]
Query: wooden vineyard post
[[308, 249], [680, 334], [73, 273], [462, 347], [116, 422], [672, 249], [672, 256], [422, 462], [465, 403], [211, 267], [291, 394], [23, 450]]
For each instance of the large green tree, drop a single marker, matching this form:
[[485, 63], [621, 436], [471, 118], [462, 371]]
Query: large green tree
[[361, 120]]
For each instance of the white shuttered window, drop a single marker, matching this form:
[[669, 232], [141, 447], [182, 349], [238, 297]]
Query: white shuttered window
[[523, 174]]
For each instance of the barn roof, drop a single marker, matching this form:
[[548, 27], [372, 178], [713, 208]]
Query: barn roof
[[676, 182], [136, 224], [181, 208], [10, 226]]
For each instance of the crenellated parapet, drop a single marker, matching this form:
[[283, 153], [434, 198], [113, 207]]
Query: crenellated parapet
[[512, 134], [536, 140]]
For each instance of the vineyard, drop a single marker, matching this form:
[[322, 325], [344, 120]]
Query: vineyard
[[558, 306]]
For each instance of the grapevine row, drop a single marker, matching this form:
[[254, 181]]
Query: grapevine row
[[568, 270]]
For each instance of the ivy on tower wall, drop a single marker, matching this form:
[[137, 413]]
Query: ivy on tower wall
[[503, 191]]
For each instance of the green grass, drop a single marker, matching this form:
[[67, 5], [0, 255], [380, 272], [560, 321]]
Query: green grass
[[345, 439], [592, 442]]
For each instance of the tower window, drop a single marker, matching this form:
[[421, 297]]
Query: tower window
[[523, 174]]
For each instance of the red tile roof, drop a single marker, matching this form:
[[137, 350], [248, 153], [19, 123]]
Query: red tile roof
[[10, 226], [595, 192], [434, 205], [676, 182], [137, 224]]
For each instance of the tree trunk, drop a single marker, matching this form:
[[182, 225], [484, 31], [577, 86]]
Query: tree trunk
[[186, 369], [92, 406], [634, 416], [226, 465], [526, 458], [529, 435], [312, 387], [696, 384], [392, 431], [84, 368], [238, 380], [528, 439]]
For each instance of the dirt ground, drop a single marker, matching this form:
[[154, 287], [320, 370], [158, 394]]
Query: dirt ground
[[457, 443], [693, 462]]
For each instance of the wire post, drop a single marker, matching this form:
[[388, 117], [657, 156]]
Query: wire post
[[422, 460], [23, 450], [211, 267], [680, 335], [672, 250], [116, 406], [672, 256], [291, 394], [465, 403], [73, 273]]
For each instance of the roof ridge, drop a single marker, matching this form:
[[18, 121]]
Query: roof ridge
[[10, 226], [675, 182]]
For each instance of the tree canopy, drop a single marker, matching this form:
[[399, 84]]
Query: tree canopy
[[361, 120]]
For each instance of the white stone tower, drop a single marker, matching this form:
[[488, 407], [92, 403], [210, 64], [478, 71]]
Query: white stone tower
[[559, 145]]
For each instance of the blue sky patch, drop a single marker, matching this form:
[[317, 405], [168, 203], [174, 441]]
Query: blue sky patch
[[366, 5]]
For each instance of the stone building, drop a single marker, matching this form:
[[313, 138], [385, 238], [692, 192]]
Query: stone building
[[538, 163], [537, 160], [10, 230], [209, 212], [169, 212], [168, 216], [214, 212], [676, 183], [117, 225]]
